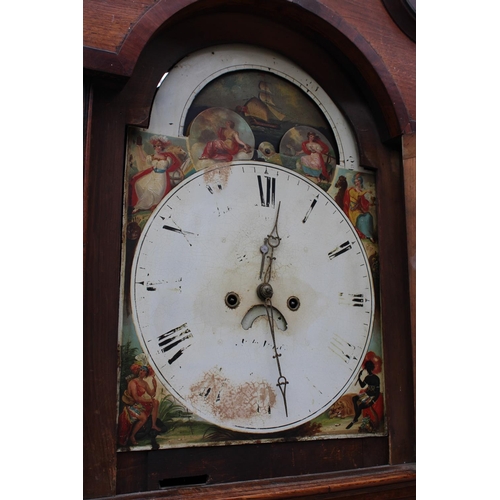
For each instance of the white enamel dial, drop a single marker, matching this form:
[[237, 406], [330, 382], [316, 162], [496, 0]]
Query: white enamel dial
[[195, 275]]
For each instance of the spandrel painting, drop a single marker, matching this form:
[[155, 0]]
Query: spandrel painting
[[243, 115], [156, 165]]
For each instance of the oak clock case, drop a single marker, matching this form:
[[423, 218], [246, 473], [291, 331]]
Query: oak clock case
[[252, 296]]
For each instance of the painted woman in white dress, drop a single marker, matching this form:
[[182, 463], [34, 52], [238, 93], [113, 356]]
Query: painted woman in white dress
[[313, 161], [160, 172]]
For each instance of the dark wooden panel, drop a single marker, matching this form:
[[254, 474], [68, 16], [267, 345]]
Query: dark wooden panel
[[376, 483], [132, 472], [396, 308], [246, 462], [103, 188], [410, 181]]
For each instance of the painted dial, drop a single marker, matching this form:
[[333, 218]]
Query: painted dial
[[195, 277]]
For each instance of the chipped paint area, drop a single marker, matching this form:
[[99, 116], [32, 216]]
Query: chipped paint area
[[216, 175], [230, 402]]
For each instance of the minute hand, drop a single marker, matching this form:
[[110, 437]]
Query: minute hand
[[282, 381], [265, 292], [273, 240]]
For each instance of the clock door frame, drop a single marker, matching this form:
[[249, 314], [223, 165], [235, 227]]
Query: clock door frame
[[360, 87]]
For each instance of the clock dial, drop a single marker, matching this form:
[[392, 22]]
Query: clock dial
[[227, 351]]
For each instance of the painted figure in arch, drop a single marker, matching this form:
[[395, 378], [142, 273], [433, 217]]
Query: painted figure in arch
[[141, 402], [356, 205], [160, 172], [226, 146], [313, 162]]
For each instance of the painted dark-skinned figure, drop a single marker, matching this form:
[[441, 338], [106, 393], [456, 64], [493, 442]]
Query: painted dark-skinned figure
[[367, 398], [140, 403]]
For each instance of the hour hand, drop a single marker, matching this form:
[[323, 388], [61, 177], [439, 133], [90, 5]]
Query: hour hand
[[274, 238], [271, 242], [264, 249]]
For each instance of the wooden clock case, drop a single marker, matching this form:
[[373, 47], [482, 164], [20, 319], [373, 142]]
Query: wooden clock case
[[119, 90]]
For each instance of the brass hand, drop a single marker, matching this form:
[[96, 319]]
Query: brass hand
[[282, 381], [265, 292], [272, 241], [264, 249]]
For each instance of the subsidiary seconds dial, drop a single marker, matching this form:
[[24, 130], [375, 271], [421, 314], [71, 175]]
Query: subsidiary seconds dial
[[252, 296]]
